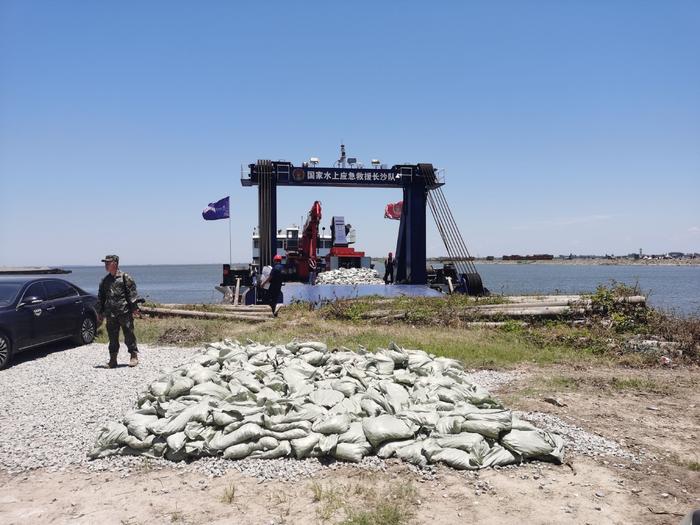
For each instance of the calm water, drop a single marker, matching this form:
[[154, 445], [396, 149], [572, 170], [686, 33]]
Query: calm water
[[669, 287]]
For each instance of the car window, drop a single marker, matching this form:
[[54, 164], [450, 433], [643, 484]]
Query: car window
[[8, 292], [59, 289], [35, 290]]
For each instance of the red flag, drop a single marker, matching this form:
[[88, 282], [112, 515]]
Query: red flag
[[393, 211]]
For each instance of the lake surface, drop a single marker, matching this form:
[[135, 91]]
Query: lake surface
[[669, 287]]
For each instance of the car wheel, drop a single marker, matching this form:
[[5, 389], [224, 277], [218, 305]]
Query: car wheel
[[5, 351], [86, 332]]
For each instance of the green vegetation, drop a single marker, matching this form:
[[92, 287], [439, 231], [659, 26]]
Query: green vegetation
[[365, 503], [619, 384], [693, 465], [437, 325], [229, 494]]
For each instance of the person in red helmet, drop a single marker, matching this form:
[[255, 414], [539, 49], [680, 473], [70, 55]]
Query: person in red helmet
[[389, 269], [275, 281]]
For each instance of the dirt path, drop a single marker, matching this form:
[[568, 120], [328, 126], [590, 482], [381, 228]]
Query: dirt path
[[655, 413]]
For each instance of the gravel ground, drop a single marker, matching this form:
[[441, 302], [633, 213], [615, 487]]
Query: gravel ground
[[576, 439], [54, 403]]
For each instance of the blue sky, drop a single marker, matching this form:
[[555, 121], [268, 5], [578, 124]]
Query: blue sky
[[562, 126]]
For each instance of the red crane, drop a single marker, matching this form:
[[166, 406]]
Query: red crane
[[306, 260]]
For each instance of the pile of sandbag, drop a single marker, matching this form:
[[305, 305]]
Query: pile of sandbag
[[303, 400], [349, 276]]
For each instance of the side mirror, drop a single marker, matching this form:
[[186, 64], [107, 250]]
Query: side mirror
[[30, 301]]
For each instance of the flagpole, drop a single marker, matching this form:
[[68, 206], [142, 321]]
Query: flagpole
[[230, 261]]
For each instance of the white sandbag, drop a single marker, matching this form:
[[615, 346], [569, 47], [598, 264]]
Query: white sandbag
[[287, 435], [270, 424], [180, 387], [346, 386], [240, 451], [449, 425], [354, 434], [389, 448], [199, 374], [326, 397], [245, 433], [196, 412], [282, 450], [396, 353], [383, 364], [430, 448], [467, 441], [352, 452], [111, 436], [426, 420], [413, 454], [404, 377], [137, 424], [327, 444], [160, 388], [385, 428], [302, 447], [371, 407], [176, 441], [315, 358], [332, 425], [489, 429], [531, 444], [455, 458], [350, 405], [499, 457], [396, 395], [210, 389]]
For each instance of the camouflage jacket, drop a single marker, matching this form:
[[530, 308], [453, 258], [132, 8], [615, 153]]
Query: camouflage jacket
[[114, 298]]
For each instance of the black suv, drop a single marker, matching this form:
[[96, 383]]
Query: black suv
[[38, 310]]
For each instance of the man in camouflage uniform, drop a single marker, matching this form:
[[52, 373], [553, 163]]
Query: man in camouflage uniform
[[117, 303]]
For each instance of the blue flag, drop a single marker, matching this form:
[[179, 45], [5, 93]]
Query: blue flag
[[216, 210]]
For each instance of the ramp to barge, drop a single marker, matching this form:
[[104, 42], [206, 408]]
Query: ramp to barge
[[322, 293]]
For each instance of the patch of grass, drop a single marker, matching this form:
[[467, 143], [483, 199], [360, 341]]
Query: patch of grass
[[669, 326], [229, 494], [512, 326], [563, 383], [436, 325], [317, 490], [693, 465], [615, 383], [635, 383], [381, 514], [331, 500], [146, 465], [365, 503]]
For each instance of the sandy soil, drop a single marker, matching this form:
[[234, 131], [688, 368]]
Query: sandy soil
[[660, 422]]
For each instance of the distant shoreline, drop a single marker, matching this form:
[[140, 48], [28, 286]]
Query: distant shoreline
[[600, 261], [597, 262]]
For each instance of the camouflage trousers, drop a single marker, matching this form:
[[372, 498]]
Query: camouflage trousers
[[126, 323]]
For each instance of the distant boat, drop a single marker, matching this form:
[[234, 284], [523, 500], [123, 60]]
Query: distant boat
[[31, 270]]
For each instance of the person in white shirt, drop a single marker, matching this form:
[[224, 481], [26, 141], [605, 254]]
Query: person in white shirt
[[265, 281]]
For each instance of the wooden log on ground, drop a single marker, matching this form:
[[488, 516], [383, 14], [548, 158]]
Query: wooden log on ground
[[494, 324], [581, 303], [541, 311], [172, 312], [541, 298], [228, 307]]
